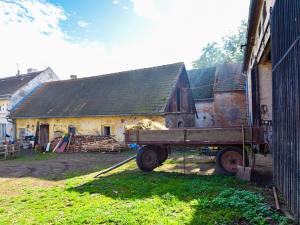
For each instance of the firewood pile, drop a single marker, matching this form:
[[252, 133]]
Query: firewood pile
[[90, 143]]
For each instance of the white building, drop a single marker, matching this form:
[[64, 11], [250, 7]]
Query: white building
[[14, 90]]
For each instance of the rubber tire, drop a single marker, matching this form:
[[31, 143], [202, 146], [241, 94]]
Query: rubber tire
[[219, 155], [140, 155], [162, 155]]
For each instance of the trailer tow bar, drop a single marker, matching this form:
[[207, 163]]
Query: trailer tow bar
[[115, 166]]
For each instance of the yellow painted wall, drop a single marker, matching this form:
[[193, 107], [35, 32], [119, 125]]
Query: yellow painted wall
[[86, 125]]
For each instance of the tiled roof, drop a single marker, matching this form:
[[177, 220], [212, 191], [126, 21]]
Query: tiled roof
[[10, 85], [229, 77], [142, 91], [202, 82]]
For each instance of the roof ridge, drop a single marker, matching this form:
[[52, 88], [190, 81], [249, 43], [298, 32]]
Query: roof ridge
[[21, 75], [117, 73], [145, 91]]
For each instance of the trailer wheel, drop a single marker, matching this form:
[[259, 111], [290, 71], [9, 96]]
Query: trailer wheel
[[229, 158], [162, 155], [147, 158]]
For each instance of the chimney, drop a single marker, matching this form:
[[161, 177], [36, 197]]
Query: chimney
[[73, 77], [18, 72], [31, 70]]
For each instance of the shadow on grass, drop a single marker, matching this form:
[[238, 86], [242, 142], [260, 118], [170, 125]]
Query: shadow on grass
[[136, 185]]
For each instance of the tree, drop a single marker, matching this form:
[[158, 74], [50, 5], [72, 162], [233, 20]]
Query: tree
[[229, 51], [211, 55]]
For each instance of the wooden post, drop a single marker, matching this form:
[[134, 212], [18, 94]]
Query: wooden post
[[243, 137]]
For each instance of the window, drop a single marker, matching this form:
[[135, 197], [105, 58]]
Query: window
[[72, 130], [2, 130], [178, 100], [259, 29], [106, 130]]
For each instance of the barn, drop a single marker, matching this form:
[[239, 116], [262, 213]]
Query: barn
[[105, 104]]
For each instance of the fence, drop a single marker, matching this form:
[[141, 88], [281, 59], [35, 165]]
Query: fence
[[285, 36]]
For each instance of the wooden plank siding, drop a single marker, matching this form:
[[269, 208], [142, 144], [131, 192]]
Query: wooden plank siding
[[285, 31], [186, 100]]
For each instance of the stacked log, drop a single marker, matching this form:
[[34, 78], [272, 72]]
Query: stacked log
[[90, 143]]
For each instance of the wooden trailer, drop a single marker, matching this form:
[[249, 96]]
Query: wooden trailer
[[230, 142]]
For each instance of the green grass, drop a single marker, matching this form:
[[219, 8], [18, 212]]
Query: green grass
[[132, 197], [37, 157]]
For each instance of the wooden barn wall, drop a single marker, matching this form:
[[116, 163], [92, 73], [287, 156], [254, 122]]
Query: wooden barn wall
[[184, 115], [285, 33], [185, 96]]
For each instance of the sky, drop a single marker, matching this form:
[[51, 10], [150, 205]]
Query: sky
[[93, 37]]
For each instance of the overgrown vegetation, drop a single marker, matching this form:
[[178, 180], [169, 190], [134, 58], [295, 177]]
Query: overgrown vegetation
[[129, 196], [229, 50]]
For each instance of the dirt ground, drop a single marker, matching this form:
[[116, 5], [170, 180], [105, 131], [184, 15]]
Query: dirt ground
[[56, 166], [53, 166], [192, 162]]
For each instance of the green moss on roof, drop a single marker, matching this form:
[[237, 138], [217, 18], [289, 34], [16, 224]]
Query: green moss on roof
[[202, 82], [141, 91], [229, 77], [222, 78]]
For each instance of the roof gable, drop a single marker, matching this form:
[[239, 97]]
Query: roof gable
[[142, 91]]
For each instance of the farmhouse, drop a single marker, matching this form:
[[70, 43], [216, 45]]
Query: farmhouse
[[219, 94], [16, 88], [104, 105]]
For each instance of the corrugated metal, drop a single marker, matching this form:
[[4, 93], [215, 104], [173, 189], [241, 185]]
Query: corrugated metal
[[285, 32]]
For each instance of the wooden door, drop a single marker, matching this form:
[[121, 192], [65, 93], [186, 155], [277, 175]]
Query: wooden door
[[44, 135]]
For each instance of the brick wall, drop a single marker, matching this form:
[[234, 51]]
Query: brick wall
[[230, 108], [175, 120], [206, 113]]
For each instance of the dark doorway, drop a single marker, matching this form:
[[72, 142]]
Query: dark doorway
[[255, 96], [44, 135], [178, 99], [180, 124], [106, 131]]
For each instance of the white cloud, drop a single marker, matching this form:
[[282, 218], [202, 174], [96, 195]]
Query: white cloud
[[125, 7], [182, 27], [82, 23], [31, 35], [116, 2]]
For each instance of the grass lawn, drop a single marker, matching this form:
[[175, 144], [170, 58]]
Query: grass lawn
[[129, 196]]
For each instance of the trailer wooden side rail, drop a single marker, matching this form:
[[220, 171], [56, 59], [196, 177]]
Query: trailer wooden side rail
[[156, 144]]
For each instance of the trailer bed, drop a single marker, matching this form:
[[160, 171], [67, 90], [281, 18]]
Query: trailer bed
[[196, 136]]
